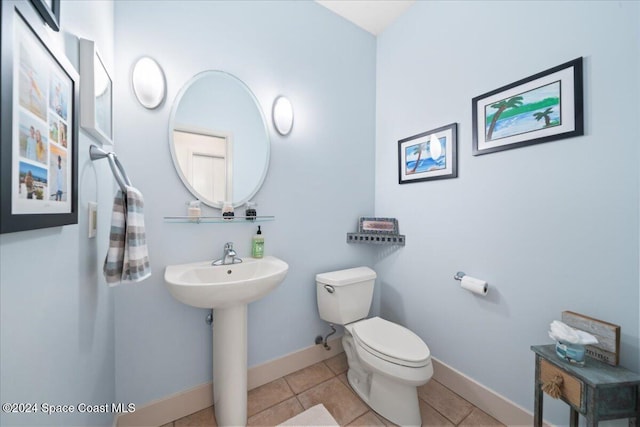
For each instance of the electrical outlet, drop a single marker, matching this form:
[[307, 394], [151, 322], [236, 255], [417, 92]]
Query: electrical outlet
[[93, 219]]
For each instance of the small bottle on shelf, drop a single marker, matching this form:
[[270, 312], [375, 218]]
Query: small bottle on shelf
[[193, 211], [250, 212], [227, 210]]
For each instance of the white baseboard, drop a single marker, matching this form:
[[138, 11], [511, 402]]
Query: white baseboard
[[170, 408], [494, 404], [165, 410]]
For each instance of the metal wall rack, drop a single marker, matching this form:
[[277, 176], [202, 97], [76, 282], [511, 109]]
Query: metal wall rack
[[377, 231], [376, 239]]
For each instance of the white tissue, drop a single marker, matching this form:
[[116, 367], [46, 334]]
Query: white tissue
[[560, 331], [474, 285]]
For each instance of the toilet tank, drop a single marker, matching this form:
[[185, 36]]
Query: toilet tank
[[344, 296]]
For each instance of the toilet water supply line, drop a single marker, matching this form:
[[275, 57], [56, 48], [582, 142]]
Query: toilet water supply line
[[323, 341]]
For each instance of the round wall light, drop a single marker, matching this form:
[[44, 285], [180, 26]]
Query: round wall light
[[282, 115], [149, 83]]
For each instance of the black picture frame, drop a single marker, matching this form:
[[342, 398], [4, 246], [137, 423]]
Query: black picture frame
[[555, 95], [44, 91], [50, 13], [443, 166]]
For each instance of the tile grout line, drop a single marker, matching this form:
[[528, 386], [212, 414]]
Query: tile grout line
[[440, 413], [334, 376], [271, 406], [293, 393], [443, 415], [466, 416], [317, 384], [299, 403]]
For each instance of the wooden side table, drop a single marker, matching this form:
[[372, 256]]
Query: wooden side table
[[596, 390]]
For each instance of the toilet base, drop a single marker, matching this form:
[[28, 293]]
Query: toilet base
[[392, 398], [403, 409]]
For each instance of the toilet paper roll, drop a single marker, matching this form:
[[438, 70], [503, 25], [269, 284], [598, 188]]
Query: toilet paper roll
[[474, 285]]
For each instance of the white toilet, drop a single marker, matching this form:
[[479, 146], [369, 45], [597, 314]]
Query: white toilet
[[387, 362]]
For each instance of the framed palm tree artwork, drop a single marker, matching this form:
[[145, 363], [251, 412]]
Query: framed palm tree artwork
[[428, 155], [544, 107]]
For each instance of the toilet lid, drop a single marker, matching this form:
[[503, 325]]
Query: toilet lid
[[391, 342]]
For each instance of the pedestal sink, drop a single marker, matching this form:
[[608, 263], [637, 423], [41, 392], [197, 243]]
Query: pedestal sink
[[227, 289]]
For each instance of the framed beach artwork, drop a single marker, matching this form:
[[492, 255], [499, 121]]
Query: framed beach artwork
[[428, 155], [544, 107], [38, 146]]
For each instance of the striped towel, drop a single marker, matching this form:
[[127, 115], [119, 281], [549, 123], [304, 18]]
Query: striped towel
[[127, 258]]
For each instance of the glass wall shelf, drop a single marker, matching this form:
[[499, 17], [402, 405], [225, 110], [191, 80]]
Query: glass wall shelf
[[218, 219]]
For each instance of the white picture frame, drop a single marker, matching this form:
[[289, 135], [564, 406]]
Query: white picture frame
[[96, 94]]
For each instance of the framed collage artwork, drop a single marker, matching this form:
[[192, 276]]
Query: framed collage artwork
[[38, 150]]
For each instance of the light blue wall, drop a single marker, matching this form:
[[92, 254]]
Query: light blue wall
[[320, 178], [56, 312], [552, 226]]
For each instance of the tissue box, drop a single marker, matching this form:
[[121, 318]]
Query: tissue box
[[573, 353]]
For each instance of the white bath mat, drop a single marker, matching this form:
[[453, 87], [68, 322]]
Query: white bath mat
[[314, 416]]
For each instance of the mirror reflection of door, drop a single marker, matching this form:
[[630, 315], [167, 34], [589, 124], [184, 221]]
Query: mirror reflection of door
[[205, 160]]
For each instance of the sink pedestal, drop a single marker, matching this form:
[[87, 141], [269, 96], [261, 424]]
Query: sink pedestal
[[227, 289], [230, 365]]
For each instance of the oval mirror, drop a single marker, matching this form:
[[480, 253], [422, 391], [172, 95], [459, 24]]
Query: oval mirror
[[219, 139]]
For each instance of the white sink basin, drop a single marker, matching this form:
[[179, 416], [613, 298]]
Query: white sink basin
[[202, 285], [227, 289]]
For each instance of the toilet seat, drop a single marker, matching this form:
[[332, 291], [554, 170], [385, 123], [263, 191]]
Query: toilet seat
[[391, 342]]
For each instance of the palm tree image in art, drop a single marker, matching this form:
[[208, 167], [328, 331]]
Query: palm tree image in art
[[546, 114], [514, 102], [418, 149], [522, 113]]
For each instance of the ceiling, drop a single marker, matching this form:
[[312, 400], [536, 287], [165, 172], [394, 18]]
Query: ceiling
[[371, 15]]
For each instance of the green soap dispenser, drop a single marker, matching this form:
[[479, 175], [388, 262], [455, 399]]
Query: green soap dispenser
[[257, 244]]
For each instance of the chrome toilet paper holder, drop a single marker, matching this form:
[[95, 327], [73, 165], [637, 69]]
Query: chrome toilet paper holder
[[459, 275], [471, 284]]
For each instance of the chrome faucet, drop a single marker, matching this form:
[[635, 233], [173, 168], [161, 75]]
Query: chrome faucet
[[229, 256]]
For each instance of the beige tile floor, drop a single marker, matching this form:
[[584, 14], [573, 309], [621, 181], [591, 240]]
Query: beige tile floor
[[326, 383]]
